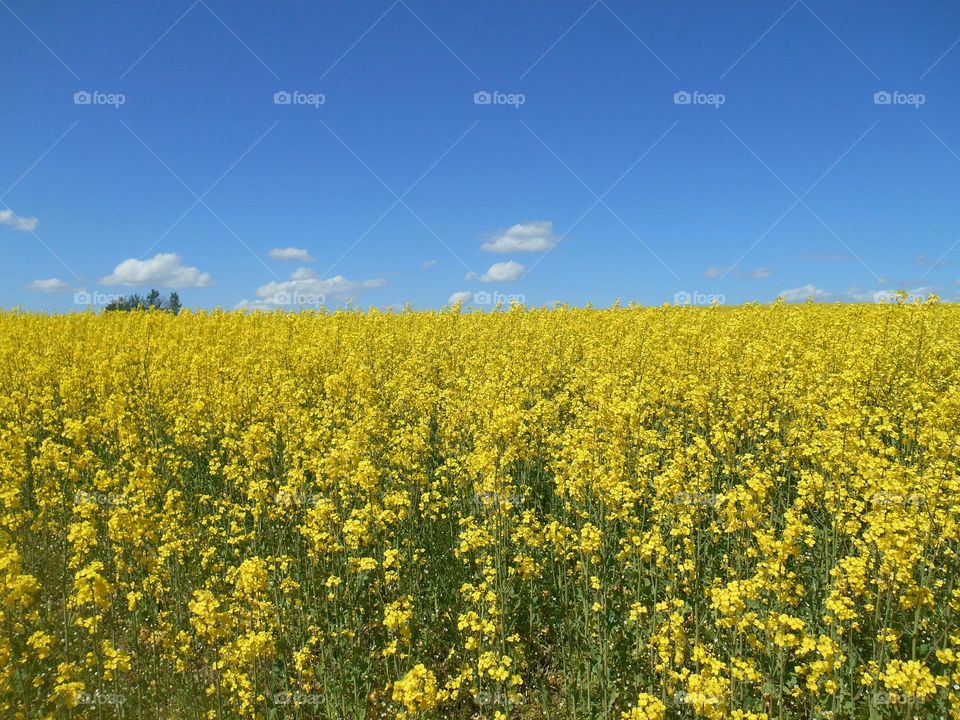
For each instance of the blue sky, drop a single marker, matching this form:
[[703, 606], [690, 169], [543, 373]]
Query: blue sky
[[550, 150]]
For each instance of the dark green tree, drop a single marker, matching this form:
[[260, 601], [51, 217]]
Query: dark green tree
[[173, 304]]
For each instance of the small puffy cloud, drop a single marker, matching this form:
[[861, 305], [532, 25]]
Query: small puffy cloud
[[757, 273], [49, 285], [254, 305], [163, 270], [18, 222], [800, 294], [503, 272], [523, 237], [428, 264], [460, 297], [305, 287], [713, 272], [470, 276], [863, 296], [291, 253]]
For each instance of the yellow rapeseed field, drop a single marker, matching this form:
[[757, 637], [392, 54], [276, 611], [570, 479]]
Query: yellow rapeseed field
[[633, 513]]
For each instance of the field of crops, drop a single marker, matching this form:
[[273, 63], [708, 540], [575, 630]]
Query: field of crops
[[634, 513]]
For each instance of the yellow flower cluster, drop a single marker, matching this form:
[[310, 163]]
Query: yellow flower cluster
[[416, 691], [637, 513]]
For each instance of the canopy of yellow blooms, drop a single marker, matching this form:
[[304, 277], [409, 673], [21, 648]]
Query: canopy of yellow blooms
[[633, 513]]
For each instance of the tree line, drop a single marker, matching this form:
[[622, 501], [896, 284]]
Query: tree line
[[153, 300]]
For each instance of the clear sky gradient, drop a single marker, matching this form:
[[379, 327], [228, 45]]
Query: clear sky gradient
[[551, 150]]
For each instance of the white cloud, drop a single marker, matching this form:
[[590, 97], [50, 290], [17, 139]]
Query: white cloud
[[291, 253], [524, 237], [460, 297], [305, 287], [800, 294], [503, 272], [49, 285], [428, 264], [163, 270], [861, 296], [886, 296], [712, 272], [470, 276], [17, 222], [757, 273]]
